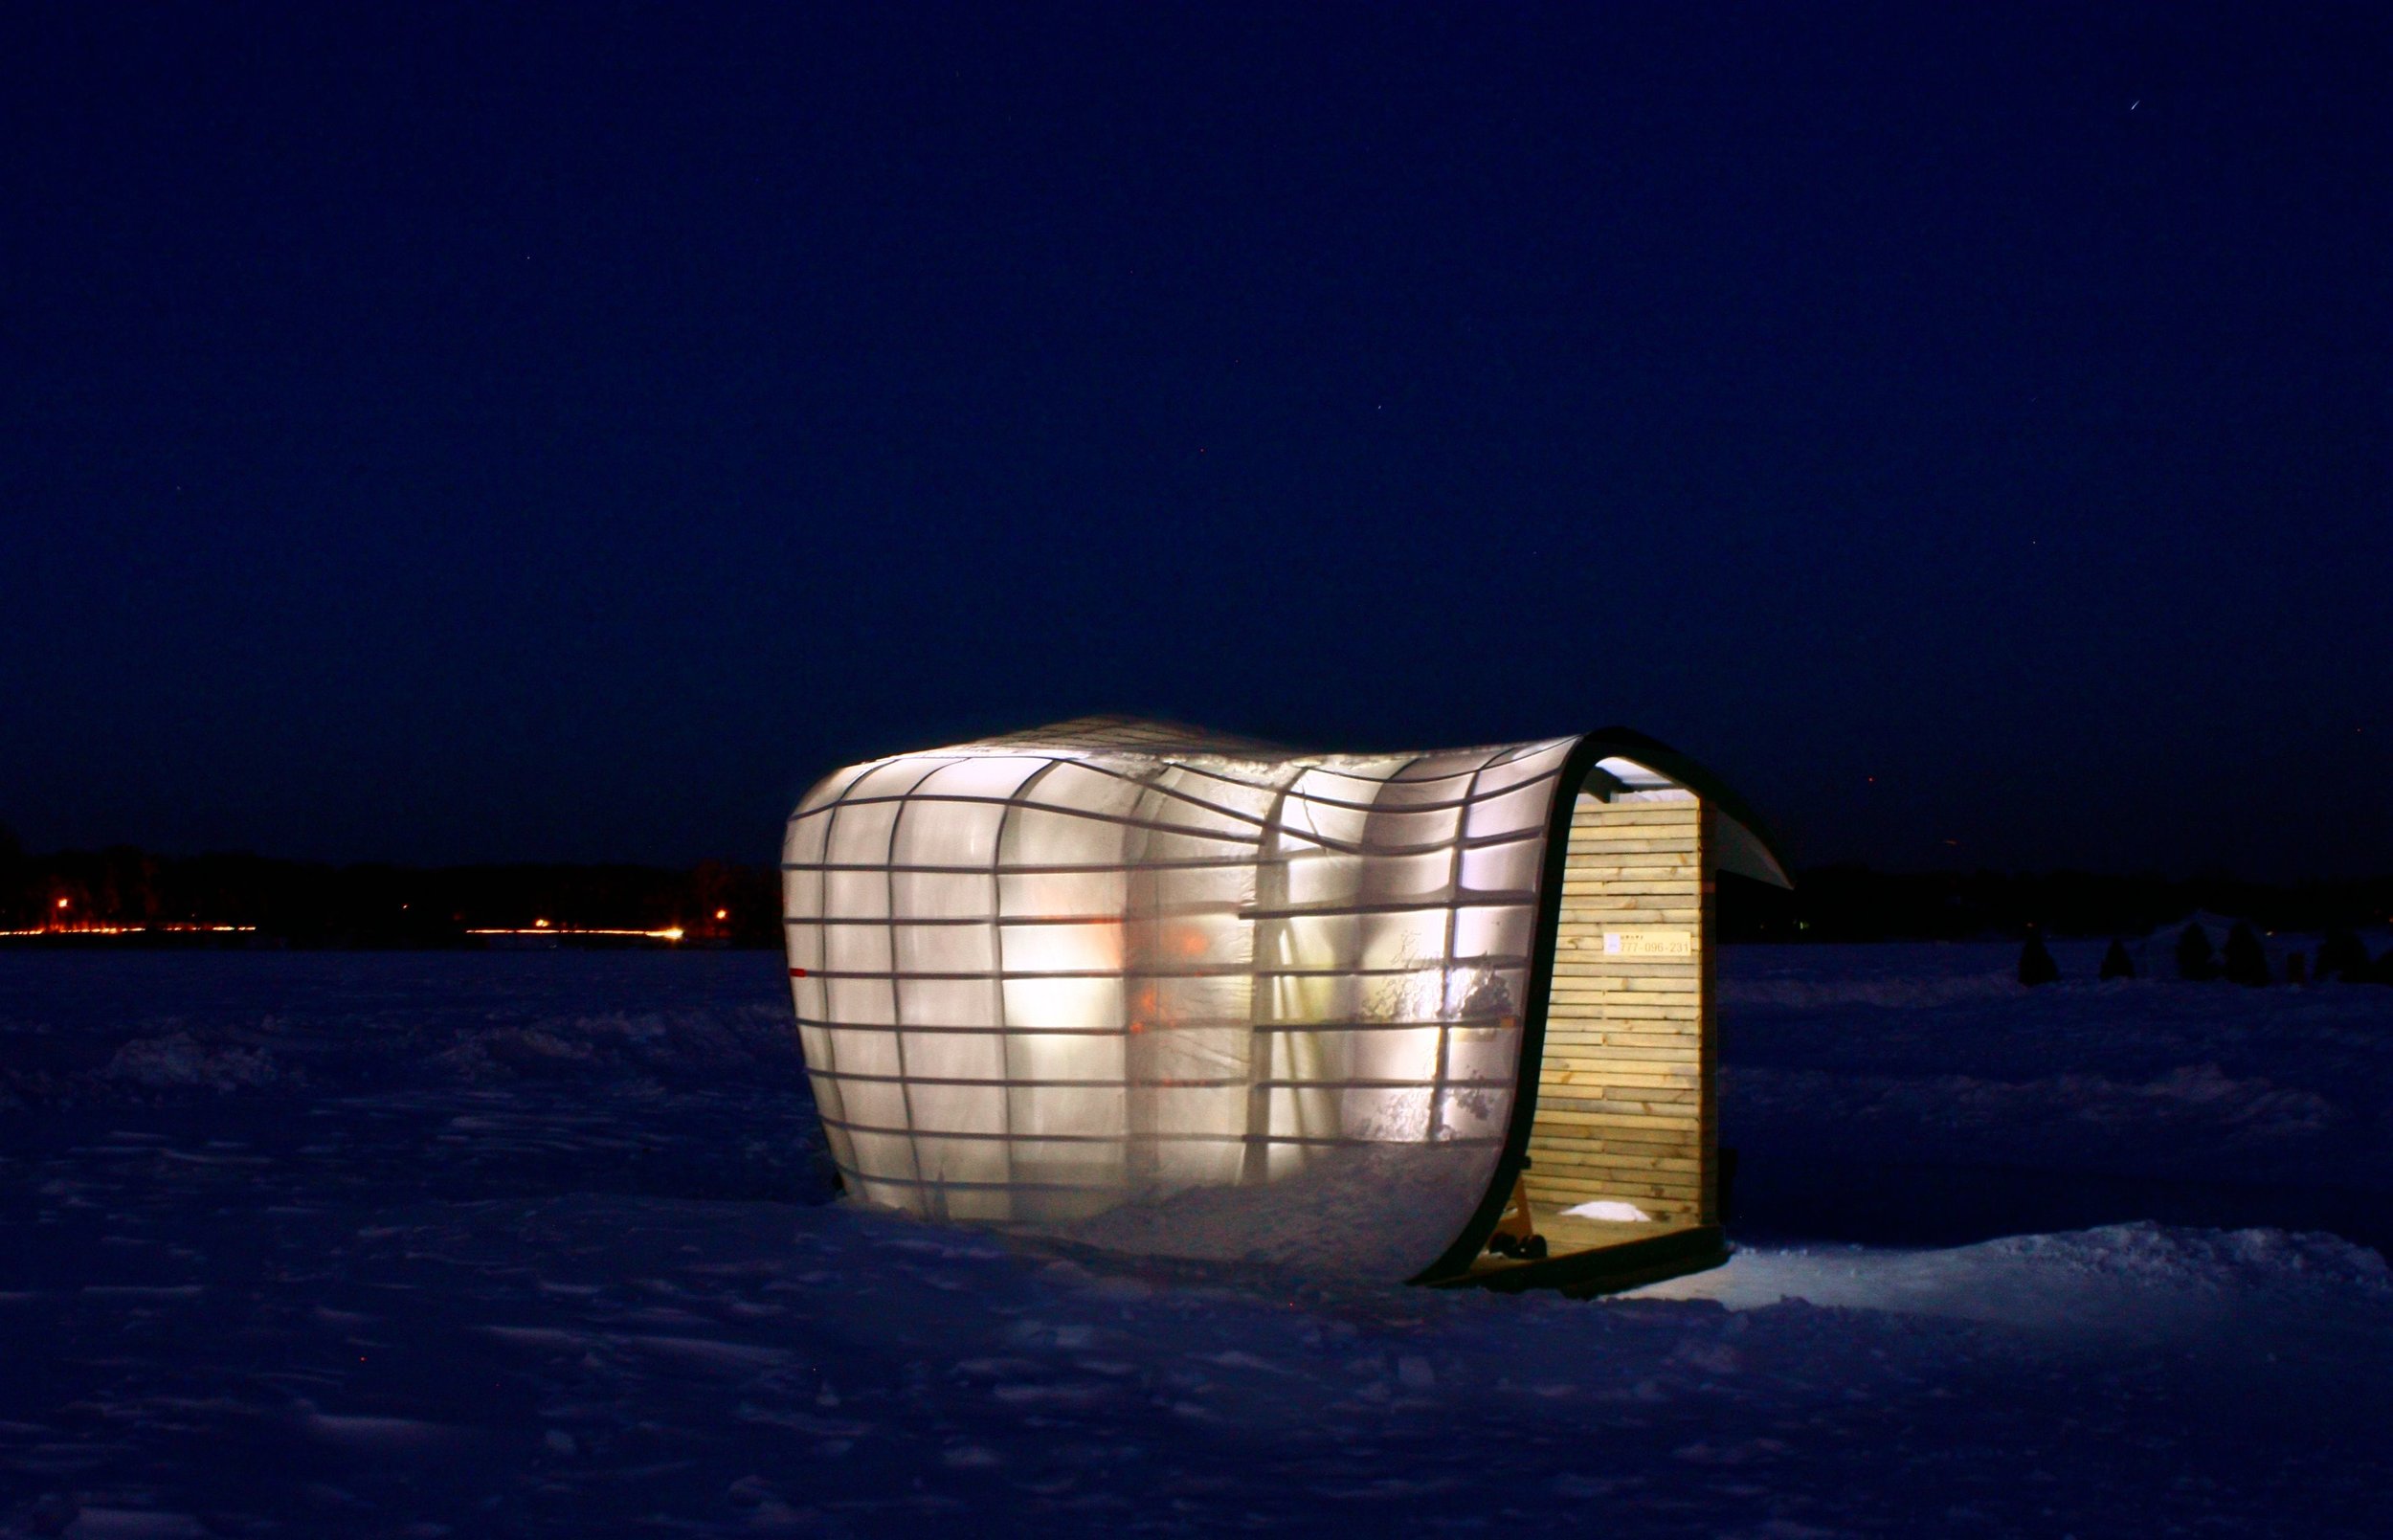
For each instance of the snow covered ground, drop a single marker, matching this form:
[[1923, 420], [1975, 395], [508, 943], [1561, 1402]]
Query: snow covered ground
[[538, 1243]]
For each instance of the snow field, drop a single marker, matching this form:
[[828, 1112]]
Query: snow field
[[537, 1245]]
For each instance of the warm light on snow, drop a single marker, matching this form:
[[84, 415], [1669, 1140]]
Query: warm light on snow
[[1610, 1209]]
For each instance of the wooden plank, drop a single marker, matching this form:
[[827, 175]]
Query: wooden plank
[[1672, 1164], [1547, 1178], [1546, 1169], [1577, 1187], [1593, 962], [1579, 1184], [1591, 1021], [1623, 993], [1612, 1085], [1663, 1196], [1640, 1140], [1682, 1064], [1597, 878], [1687, 1114], [1658, 1100], [1647, 827], [1644, 1051], [1623, 1080], [1647, 984], [1680, 1147], [1554, 1160], [1603, 847], [1627, 1127], [1623, 1125], [1665, 1075], [1618, 1013], [1633, 1032], [1589, 1005], [1650, 1077]]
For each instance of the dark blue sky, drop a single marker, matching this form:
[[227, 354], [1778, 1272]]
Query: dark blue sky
[[436, 433]]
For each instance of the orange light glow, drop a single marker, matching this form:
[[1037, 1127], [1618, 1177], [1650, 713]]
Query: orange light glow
[[542, 927], [97, 927], [62, 903], [723, 914]]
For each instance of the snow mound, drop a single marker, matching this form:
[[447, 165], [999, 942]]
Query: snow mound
[[2211, 1259], [180, 1059]]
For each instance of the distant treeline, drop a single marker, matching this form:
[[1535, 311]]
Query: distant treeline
[[313, 905], [1854, 903], [86, 896]]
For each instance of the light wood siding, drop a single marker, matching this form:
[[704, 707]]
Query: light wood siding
[[1626, 1100]]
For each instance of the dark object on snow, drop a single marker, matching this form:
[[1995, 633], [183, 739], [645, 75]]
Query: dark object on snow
[[2246, 962], [2341, 956], [2296, 968], [2195, 959], [2035, 964], [2115, 963]]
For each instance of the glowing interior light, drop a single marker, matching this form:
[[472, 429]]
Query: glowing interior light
[[723, 914], [1117, 981], [62, 903], [1054, 979]]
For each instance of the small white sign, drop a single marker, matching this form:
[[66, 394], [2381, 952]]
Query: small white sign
[[1649, 943]]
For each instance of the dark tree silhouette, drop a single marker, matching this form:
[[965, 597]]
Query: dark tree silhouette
[[2341, 956], [2246, 962], [2035, 963], [2115, 963], [2195, 960], [2381, 972], [2296, 968]]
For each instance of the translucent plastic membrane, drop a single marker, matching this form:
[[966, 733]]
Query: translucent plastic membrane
[[1052, 980]]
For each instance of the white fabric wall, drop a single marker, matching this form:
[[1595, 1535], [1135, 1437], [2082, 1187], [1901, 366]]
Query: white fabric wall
[[1170, 999]]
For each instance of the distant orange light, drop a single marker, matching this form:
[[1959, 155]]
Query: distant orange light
[[62, 903], [540, 924], [723, 914]]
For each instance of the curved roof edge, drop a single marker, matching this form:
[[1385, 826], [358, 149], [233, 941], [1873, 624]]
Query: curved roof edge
[[1747, 846]]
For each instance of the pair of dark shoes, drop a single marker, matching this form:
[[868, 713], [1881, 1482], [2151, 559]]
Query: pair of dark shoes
[[1532, 1249]]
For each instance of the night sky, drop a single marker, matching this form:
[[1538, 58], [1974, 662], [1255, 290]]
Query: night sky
[[443, 434]]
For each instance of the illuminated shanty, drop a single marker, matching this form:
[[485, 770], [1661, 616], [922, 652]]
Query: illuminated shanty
[[1154, 990]]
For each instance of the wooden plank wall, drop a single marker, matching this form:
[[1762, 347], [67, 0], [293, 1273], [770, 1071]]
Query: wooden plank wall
[[1625, 1093]]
